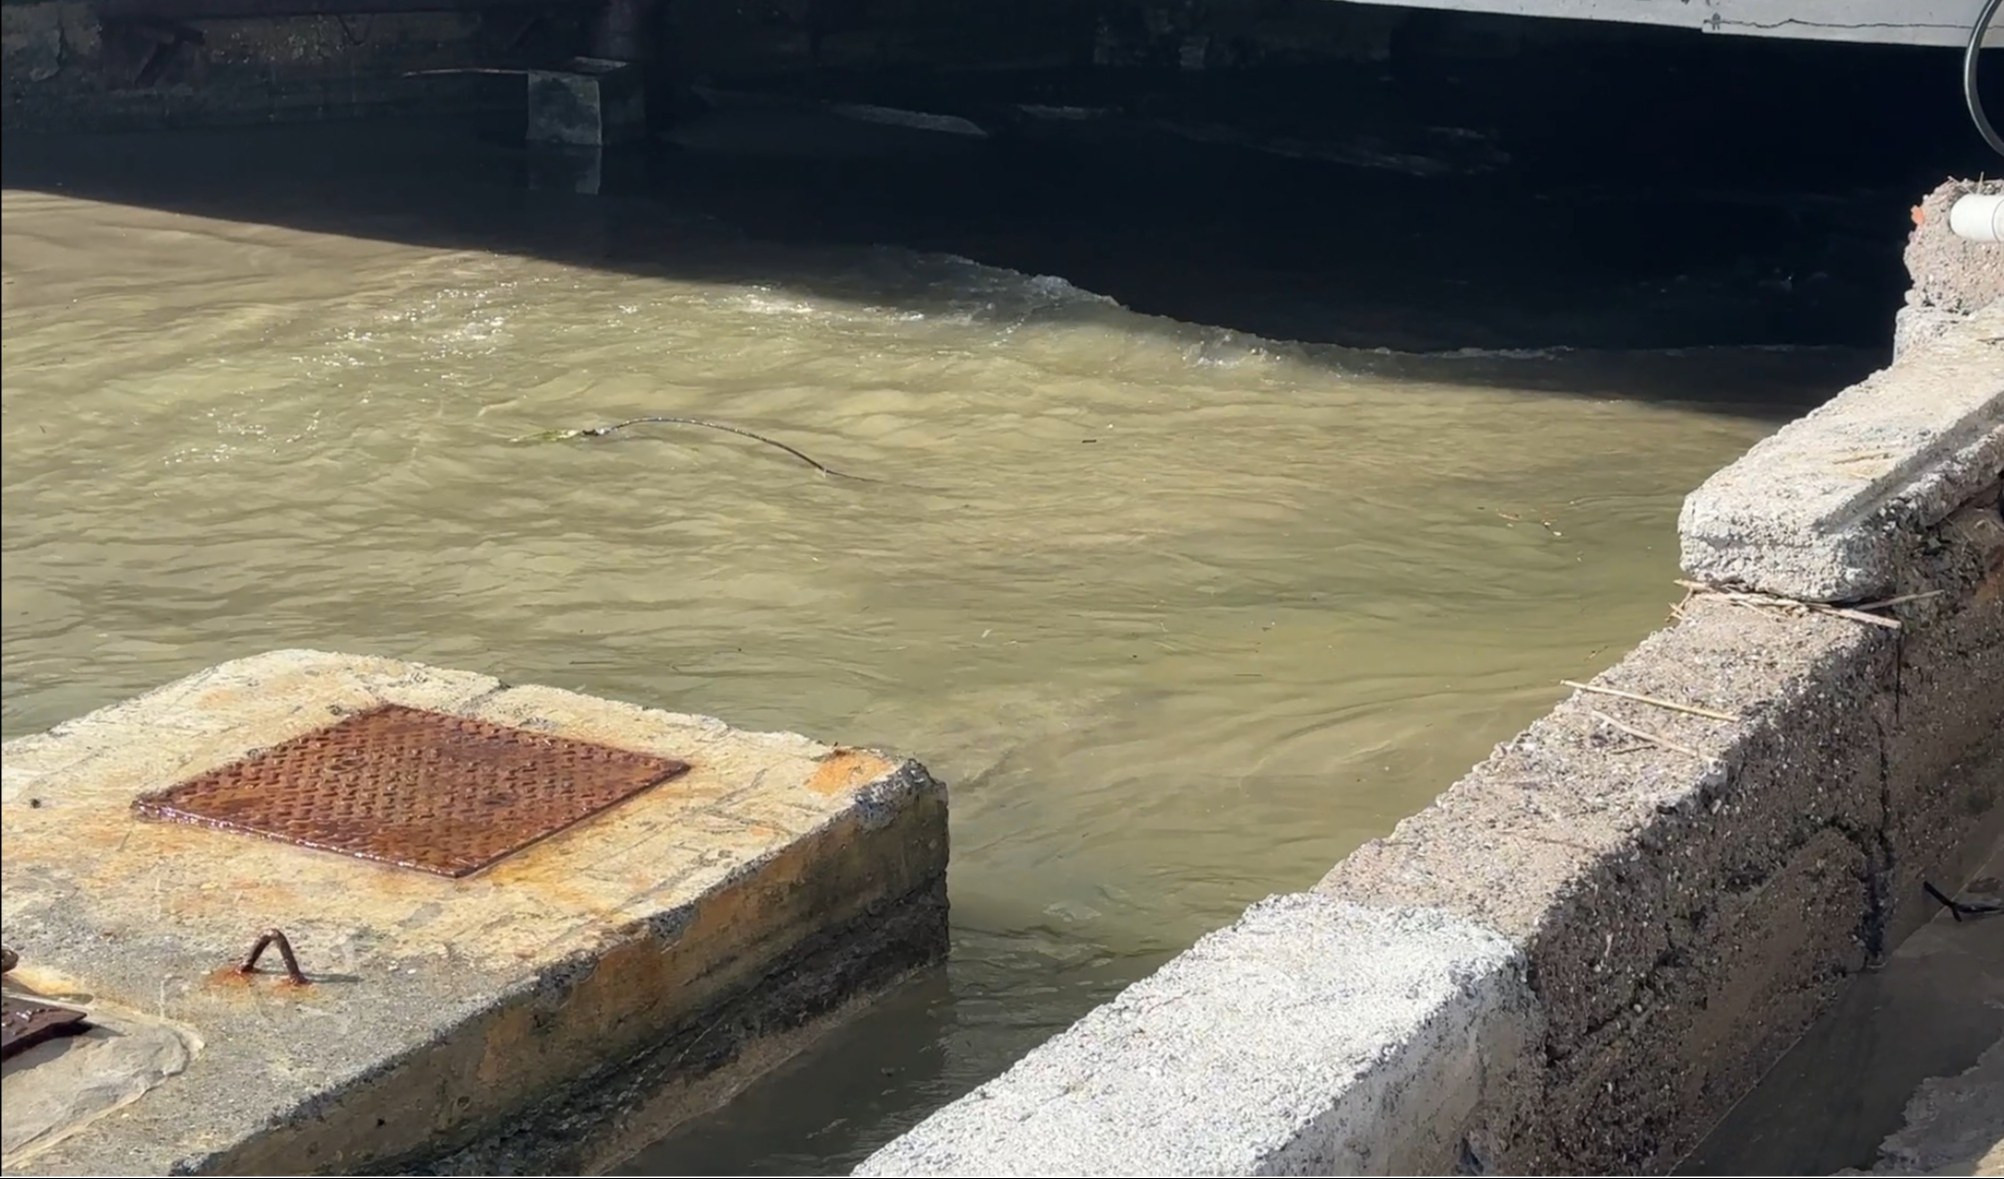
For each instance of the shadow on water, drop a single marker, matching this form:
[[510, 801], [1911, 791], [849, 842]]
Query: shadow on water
[[1631, 223], [719, 214]]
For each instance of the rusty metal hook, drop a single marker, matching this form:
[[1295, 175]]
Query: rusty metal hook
[[265, 940]]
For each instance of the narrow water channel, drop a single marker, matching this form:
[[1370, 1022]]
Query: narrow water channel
[[1183, 614]]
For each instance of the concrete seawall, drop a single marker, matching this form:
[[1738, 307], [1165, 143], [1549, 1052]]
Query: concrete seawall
[[1594, 944]]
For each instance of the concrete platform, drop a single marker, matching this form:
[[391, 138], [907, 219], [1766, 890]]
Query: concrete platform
[[552, 1011]]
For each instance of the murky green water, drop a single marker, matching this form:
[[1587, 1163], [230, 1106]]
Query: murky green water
[[1182, 616]]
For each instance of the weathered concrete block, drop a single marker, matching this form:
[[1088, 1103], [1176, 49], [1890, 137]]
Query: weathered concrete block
[[1827, 508], [647, 959], [591, 103], [1952, 277], [1313, 1037]]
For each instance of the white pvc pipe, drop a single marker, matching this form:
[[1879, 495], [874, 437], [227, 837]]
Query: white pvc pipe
[[1978, 217]]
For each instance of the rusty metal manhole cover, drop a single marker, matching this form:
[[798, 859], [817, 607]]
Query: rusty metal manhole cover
[[24, 1024], [419, 789]]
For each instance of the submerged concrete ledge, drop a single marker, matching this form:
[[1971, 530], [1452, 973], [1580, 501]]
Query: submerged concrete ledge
[[1631, 910], [553, 1011]]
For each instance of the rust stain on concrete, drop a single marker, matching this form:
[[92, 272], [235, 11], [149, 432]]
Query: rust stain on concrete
[[846, 769]]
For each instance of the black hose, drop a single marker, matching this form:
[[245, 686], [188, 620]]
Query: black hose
[[1970, 94]]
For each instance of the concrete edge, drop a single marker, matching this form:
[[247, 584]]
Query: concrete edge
[[606, 1116], [1266, 1050], [1819, 510], [335, 662]]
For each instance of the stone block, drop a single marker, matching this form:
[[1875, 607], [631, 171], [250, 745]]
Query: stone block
[[629, 971]]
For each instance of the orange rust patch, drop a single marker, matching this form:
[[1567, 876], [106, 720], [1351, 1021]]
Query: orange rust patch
[[227, 976], [231, 977], [846, 769], [122, 835]]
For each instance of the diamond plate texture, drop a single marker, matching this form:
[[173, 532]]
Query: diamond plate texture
[[422, 790]]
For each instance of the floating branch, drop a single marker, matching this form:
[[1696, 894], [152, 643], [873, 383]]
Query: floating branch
[[740, 431]]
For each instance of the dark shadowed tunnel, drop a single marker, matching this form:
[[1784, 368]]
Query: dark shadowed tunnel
[[1310, 170]]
